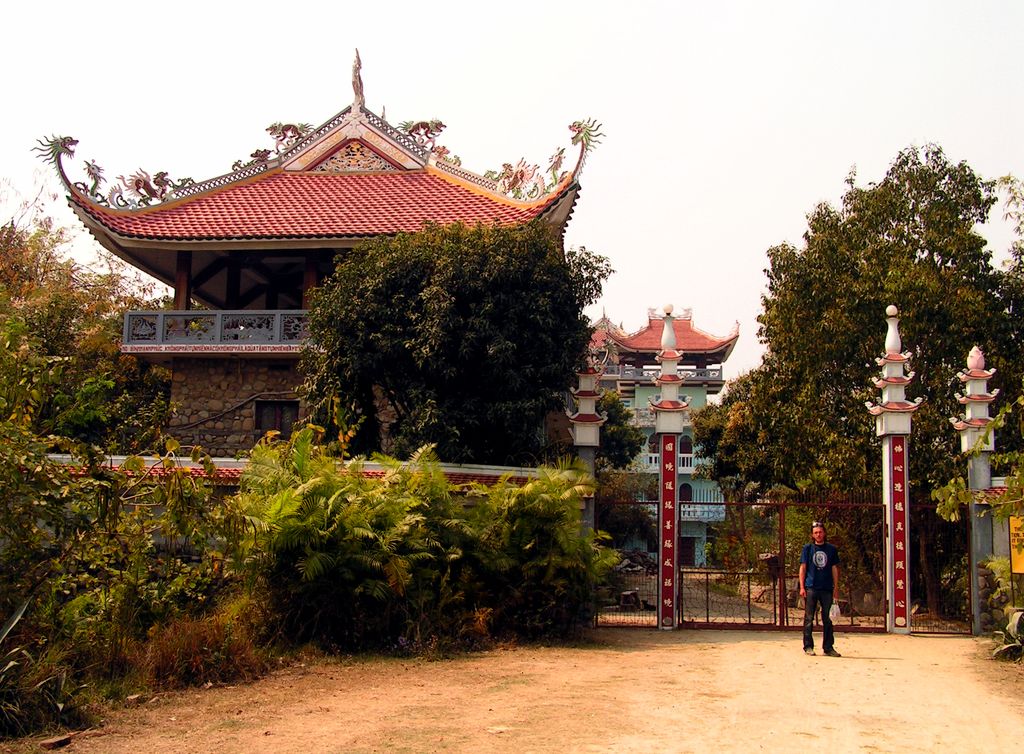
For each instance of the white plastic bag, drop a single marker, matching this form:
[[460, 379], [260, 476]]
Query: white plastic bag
[[833, 612]]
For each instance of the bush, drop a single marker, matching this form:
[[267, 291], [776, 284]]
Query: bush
[[192, 651], [542, 568], [400, 561], [34, 691]]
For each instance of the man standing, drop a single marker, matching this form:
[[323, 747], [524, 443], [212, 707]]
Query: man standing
[[819, 585]]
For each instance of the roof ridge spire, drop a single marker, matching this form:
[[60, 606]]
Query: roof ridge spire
[[359, 100]]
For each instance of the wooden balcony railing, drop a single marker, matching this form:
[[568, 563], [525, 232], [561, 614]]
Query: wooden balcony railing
[[646, 374], [243, 331]]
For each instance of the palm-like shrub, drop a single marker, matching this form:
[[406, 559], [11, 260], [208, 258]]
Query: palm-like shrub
[[542, 566], [401, 557], [343, 556]]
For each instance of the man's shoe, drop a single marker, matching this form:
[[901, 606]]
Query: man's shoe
[[832, 653], [809, 650]]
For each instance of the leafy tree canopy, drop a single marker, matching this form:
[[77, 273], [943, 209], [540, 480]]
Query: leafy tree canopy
[[1008, 424], [53, 309], [909, 240], [461, 337]]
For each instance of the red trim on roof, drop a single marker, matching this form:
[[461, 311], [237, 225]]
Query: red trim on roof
[[587, 419], [648, 339], [317, 205]]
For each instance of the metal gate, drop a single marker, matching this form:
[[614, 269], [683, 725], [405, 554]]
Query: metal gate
[[940, 572], [746, 573]]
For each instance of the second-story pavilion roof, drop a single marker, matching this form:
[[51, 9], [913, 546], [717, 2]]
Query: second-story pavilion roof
[[325, 188], [641, 346]]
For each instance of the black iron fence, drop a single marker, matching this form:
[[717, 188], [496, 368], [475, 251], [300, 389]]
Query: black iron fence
[[749, 562]]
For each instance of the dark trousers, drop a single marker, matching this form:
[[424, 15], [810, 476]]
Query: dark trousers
[[816, 597]]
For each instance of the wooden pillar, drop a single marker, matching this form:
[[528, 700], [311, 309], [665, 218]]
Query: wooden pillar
[[234, 284], [183, 281], [310, 278]]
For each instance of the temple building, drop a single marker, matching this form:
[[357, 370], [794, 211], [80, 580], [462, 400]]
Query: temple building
[[242, 251], [629, 368]]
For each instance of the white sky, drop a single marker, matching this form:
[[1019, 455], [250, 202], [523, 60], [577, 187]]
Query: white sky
[[725, 122]]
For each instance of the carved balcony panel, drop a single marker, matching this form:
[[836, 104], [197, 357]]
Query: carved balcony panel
[[251, 328], [160, 335], [690, 375], [189, 328]]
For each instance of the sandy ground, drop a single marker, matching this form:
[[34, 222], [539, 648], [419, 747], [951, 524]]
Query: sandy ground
[[631, 690]]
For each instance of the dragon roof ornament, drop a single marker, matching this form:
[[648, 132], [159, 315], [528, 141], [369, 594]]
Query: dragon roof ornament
[[521, 181], [140, 189]]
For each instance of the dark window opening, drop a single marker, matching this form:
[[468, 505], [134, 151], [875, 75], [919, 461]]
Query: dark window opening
[[279, 415]]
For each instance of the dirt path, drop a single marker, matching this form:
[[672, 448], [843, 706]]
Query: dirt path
[[632, 691]]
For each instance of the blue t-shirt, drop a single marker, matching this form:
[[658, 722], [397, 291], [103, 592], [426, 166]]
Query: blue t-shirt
[[819, 560]]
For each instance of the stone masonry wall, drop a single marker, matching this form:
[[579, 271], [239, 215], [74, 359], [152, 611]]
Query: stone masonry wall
[[214, 400], [995, 605]]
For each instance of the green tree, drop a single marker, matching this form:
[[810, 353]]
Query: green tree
[[732, 438], [460, 337], [621, 439], [75, 315], [1009, 460], [911, 240]]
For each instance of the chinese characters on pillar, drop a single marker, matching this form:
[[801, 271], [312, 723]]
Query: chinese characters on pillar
[[667, 518], [900, 522]]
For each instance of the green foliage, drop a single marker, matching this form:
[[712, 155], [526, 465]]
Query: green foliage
[[71, 318], [619, 482], [909, 240], [955, 495], [89, 564], [542, 567], [731, 436], [399, 560], [35, 691], [464, 338]]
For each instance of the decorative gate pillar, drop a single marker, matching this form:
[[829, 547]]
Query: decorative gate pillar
[[892, 424], [670, 412], [586, 428], [973, 426]]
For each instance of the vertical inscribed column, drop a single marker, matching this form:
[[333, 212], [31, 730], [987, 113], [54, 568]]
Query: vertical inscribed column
[[892, 424], [668, 523], [670, 416], [899, 522]]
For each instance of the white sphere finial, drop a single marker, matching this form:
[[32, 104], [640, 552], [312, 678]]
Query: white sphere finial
[[893, 343], [976, 359], [668, 308], [668, 333]]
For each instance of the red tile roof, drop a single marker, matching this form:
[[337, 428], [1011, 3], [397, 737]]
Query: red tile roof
[[688, 338], [318, 205]]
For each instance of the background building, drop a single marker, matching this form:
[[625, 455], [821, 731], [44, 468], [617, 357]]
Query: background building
[[629, 370]]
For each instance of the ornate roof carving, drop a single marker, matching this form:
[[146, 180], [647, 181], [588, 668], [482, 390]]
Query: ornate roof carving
[[267, 196], [354, 157]]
